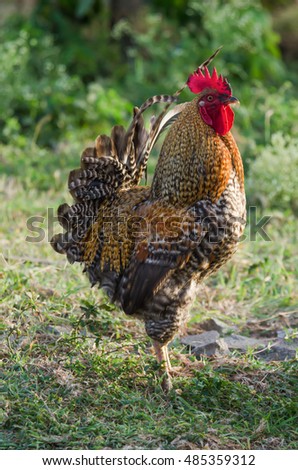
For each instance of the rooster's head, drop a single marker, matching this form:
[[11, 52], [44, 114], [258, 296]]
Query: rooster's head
[[215, 98]]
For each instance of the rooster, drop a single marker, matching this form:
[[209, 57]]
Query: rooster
[[150, 247]]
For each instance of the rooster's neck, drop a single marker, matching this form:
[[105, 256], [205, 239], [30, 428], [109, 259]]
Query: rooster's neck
[[195, 162]]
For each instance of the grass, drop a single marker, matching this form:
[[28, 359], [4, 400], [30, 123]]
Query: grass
[[80, 375]]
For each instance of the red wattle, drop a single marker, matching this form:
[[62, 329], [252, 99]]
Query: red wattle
[[221, 119]]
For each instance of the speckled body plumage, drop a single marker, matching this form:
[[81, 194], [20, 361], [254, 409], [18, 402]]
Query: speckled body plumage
[[149, 248]]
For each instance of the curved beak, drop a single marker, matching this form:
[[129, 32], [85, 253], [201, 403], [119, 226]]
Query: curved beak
[[234, 100], [226, 99]]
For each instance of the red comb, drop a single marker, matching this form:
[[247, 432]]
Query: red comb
[[197, 82]]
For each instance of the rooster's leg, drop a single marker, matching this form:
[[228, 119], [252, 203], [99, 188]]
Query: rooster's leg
[[169, 365], [163, 358]]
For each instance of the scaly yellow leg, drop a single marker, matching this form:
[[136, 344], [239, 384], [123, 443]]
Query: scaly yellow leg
[[163, 358]]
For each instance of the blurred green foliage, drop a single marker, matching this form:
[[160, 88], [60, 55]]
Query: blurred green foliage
[[72, 69], [34, 89], [273, 178]]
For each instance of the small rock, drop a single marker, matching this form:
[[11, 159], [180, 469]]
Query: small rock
[[196, 340], [217, 325], [281, 334], [208, 343], [183, 444], [291, 343], [281, 350], [243, 343], [58, 329]]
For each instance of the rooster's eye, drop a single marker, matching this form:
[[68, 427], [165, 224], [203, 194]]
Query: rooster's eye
[[209, 97]]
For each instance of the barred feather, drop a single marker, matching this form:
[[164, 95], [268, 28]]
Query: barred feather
[[113, 163]]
